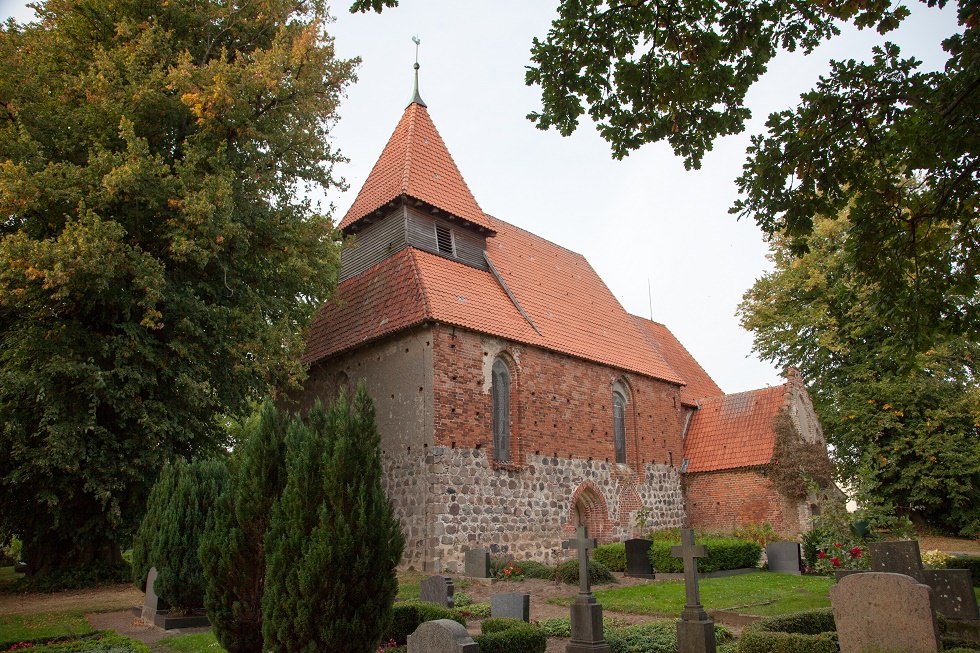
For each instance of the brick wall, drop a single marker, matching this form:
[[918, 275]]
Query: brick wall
[[726, 499], [560, 406]]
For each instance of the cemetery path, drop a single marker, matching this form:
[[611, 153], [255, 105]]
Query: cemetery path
[[100, 599]]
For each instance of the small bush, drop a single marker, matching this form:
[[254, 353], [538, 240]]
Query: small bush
[[462, 599], [612, 555], [761, 534], [409, 615], [812, 631], [477, 610], [598, 573], [654, 637], [556, 626], [936, 559], [511, 636], [534, 569], [724, 553], [971, 562]]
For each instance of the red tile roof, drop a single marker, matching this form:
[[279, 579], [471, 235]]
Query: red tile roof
[[699, 384], [415, 162], [734, 430], [573, 310]]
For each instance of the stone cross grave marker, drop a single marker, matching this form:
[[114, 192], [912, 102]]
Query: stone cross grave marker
[[150, 599], [586, 613], [511, 605], [695, 630], [886, 612], [441, 636], [476, 563], [439, 590]]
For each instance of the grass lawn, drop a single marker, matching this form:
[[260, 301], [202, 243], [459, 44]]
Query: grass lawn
[[759, 593], [409, 584], [44, 624], [199, 643]]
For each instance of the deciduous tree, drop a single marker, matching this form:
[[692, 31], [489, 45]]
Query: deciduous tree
[[156, 264]]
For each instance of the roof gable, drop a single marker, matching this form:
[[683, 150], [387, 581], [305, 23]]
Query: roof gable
[[416, 163], [734, 430], [699, 384]]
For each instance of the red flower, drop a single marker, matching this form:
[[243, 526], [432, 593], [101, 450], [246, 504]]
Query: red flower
[[856, 552], [821, 555], [837, 546], [836, 561]]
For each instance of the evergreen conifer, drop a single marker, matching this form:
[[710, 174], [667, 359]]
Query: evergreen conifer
[[170, 535], [232, 552], [334, 541]]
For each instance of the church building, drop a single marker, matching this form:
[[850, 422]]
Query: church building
[[516, 398]]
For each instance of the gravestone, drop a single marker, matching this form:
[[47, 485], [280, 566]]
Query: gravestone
[[476, 563], [586, 612], [784, 557], [883, 611], [952, 592], [441, 636], [900, 557], [150, 599], [638, 558], [511, 605], [439, 590], [695, 630]]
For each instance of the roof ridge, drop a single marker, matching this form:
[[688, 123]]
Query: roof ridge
[[407, 168]]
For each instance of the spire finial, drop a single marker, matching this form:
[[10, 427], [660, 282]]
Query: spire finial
[[416, 98]]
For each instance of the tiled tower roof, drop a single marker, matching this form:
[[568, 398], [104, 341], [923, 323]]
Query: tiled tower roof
[[416, 163]]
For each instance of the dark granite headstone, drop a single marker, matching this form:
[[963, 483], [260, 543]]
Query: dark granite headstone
[[441, 636], [899, 557], [638, 558], [953, 592], [150, 598], [477, 563], [784, 557], [439, 590], [511, 605]]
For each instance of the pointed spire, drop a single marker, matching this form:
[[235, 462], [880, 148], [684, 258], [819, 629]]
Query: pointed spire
[[416, 98]]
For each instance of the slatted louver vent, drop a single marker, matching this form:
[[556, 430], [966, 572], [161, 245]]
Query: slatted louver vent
[[444, 238]]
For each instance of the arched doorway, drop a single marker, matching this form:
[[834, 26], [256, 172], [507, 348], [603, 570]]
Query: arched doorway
[[589, 509]]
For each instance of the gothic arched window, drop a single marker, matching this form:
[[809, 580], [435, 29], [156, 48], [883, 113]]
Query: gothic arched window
[[500, 388], [619, 425]]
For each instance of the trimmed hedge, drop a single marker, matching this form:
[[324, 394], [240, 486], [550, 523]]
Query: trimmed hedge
[[409, 615], [970, 562], [612, 555], [510, 636], [724, 553], [598, 573], [813, 631], [654, 637]]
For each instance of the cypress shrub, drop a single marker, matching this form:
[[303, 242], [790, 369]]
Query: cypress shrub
[[334, 541], [232, 552], [170, 535], [612, 555]]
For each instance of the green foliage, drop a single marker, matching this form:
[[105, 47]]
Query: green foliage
[[408, 615], [232, 547], [102, 641], [91, 575], [613, 556], [170, 535], [556, 626], [157, 266], [539, 570], [810, 632], [901, 410], [653, 637], [971, 562], [510, 636], [11, 552], [333, 542], [761, 534], [567, 572], [723, 553]]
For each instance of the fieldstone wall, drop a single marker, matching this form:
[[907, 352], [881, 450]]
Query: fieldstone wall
[[406, 483], [528, 511]]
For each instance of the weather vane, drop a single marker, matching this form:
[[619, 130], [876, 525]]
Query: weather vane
[[416, 98], [417, 41]]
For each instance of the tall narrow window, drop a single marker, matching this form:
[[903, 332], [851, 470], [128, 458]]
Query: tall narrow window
[[619, 426], [500, 389], [445, 240]]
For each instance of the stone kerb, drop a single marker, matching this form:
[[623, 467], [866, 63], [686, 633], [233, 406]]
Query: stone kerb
[[441, 636], [884, 611]]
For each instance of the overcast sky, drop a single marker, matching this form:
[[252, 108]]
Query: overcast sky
[[638, 221]]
